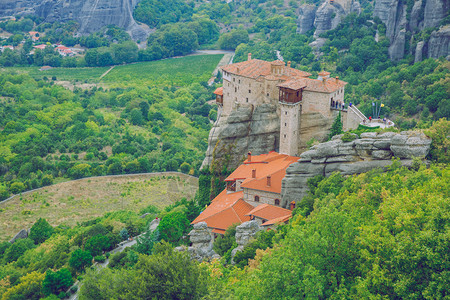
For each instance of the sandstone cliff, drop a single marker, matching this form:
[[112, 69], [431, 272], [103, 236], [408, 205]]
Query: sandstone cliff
[[402, 21], [371, 151], [92, 15], [245, 129], [324, 17]]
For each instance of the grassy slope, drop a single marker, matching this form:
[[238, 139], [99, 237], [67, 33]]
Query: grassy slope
[[167, 71], [74, 201]]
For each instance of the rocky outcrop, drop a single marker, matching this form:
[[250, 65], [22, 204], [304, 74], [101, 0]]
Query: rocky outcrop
[[328, 16], [306, 17], [325, 17], [202, 242], [438, 43], [91, 15], [361, 155], [23, 234], [400, 23], [244, 233], [247, 128]]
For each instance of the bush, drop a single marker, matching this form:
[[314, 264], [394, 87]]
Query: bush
[[40, 231], [80, 259], [348, 137], [228, 241], [100, 258]]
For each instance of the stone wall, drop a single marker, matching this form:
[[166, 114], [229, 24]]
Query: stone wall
[[361, 155], [264, 197]]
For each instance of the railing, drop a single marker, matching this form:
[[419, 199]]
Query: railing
[[357, 112]]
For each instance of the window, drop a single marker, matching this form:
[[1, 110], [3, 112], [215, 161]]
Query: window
[[284, 136], [267, 94], [277, 201], [249, 91], [234, 79], [235, 90], [285, 113], [285, 124], [256, 198], [246, 99], [239, 81]]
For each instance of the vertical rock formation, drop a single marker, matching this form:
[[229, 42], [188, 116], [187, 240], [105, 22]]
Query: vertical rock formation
[[401, 22], [325, 17], [92, 15], [202, 242], [245, 129], [244, 233]]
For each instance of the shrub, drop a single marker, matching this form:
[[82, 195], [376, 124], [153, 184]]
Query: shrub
[[99, 258], [348, 137], [41, 231]]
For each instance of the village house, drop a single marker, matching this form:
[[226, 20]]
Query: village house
[[253, 191]]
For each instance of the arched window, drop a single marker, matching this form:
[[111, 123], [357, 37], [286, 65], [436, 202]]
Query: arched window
[[256, 198], [277, 201]]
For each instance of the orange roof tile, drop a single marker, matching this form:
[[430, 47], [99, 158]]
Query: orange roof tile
[[225, 210], [219, 91], [269, 212], [279, 220], [329, 85], [324, 73], [273, 164], [255, 67]]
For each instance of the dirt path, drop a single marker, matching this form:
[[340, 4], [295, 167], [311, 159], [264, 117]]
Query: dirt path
[[109, 70]]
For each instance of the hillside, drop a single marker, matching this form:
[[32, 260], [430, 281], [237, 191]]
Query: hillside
[[69, 203]]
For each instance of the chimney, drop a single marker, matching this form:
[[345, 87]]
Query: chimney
[[289, 64], [249, 56], [268, 180], [337, 79], [253, 173], [249, 156]]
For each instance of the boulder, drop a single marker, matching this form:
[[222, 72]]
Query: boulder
[[23, 234], [244, 233], [202, 242]]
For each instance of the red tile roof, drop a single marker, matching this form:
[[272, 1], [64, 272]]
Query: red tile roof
[[254, 68], [269, 212], [273, 164], [279, 220], [328, 85], [219, 91], [225, 210]]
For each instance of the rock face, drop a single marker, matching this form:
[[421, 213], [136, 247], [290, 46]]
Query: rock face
[[325, 17], [245, 129], [244, 233], [202, 242], [371, 151], [438, 43], [23, 234], [91, 14], [400, 23]]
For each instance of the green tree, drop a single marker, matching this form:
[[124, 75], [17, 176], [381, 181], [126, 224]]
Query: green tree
[[173, 226], [56, 282], [17, 249], [146, 242], [40, 231], [96, 244], [136, 117], [225, 242], [29, 287], [336, 128], [80, 259], [167, 274], [17, 187]]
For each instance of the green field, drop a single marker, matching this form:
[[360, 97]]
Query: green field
[[76, 201], [66, 74], [172, 71], [180, 71]]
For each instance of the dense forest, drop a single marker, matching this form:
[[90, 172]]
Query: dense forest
[[50, 133]]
